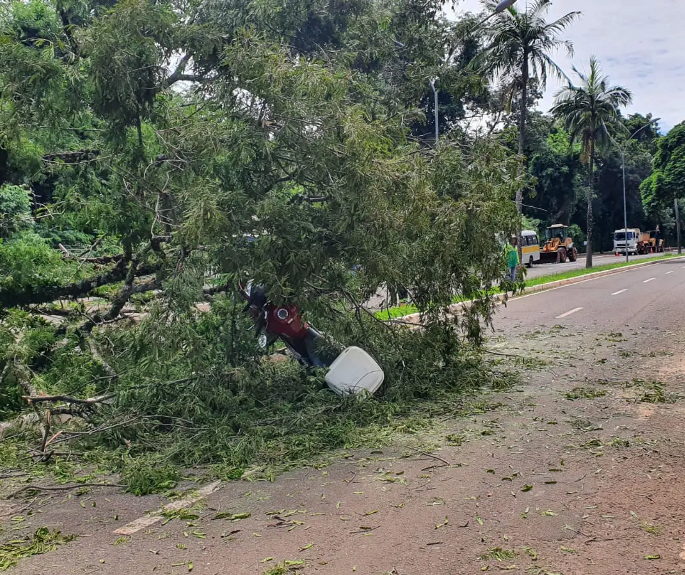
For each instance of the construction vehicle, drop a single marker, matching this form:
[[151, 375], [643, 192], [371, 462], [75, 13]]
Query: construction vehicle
[[654, 248], [636, 242], [631, 240], [644, 244], [558, 246]]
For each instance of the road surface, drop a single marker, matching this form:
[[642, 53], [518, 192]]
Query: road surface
[[539, 270], [575, 471], [643, 296]]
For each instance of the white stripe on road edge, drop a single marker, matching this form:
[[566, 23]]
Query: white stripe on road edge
[[157, 516], [568, 313], [619, 292], [649, 280], [671, 272]]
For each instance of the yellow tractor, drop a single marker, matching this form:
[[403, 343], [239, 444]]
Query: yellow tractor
[[558, 246]]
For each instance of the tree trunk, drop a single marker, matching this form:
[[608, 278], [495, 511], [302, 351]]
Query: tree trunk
[[522, 143], [677, 227], [590, 197], [45, 294]]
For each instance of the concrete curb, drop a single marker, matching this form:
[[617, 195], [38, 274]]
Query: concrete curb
[[415, 318]]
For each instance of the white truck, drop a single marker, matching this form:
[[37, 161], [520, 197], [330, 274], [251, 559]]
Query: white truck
[[627, 241]]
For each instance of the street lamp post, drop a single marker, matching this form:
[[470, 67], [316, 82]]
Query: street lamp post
[[623, 167]]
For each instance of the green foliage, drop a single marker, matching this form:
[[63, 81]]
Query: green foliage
[[15, 210], [10, 398], [521, 39], [575, 232], [27, 263], [128, 47], [666, 181], [43, 541], [590, 109], [187, 405], [151, 474]]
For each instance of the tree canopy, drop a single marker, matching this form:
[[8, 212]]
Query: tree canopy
[[667, 180]]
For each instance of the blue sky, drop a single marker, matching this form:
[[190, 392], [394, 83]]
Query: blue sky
[[640, 44]]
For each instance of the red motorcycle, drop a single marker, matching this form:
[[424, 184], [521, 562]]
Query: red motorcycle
[[274, 322]]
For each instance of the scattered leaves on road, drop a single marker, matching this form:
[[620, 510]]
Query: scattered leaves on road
[[42, 541]]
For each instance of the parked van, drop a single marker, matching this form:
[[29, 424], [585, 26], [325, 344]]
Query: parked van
[[530, 247]]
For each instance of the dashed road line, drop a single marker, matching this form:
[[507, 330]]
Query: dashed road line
[[671, 272], [156, 516], [620, 292], [568, 313], [649, 280]]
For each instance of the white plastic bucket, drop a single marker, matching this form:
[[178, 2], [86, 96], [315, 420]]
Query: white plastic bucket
[[354, 371]]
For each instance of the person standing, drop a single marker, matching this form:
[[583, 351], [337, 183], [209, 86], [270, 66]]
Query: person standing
[[512, 257]]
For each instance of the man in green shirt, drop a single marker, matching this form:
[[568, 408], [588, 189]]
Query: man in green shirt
[[512, 257]]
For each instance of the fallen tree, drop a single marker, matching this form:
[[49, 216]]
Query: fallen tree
[[277, 165]]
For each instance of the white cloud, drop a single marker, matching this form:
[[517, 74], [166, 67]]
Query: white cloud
[[639, 44]]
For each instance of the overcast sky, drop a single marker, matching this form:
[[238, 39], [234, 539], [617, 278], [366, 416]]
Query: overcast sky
[[640, 44]]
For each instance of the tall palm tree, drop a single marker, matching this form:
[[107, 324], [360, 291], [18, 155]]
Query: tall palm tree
[[519, 49], [588, 110]]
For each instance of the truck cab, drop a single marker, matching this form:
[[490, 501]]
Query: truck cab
[[626, 241]]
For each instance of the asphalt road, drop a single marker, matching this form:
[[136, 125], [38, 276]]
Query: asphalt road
[[379, 300], [539, 270], [648, 297]]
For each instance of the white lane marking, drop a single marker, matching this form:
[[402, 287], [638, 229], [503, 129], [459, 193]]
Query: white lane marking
[[626, 270], [619, 292], [156, 516], [568, 313], [649, 280], [671, 272]]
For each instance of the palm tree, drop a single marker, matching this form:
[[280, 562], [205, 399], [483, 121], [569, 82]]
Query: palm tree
[[588, 110], [519, 48]]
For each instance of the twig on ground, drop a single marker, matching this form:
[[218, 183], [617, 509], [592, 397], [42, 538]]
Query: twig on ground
[[503, 354], [76, 434], [354, 475], [366, 530], [13, 475], [436, 457], [50, 454], [596, 540], [33, 399], [60, 488]]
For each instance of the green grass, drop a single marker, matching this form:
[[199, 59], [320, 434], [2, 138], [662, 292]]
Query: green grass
[[583, 272], [409, 309]]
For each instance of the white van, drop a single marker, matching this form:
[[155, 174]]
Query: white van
[[626, 241], [530, 247]]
